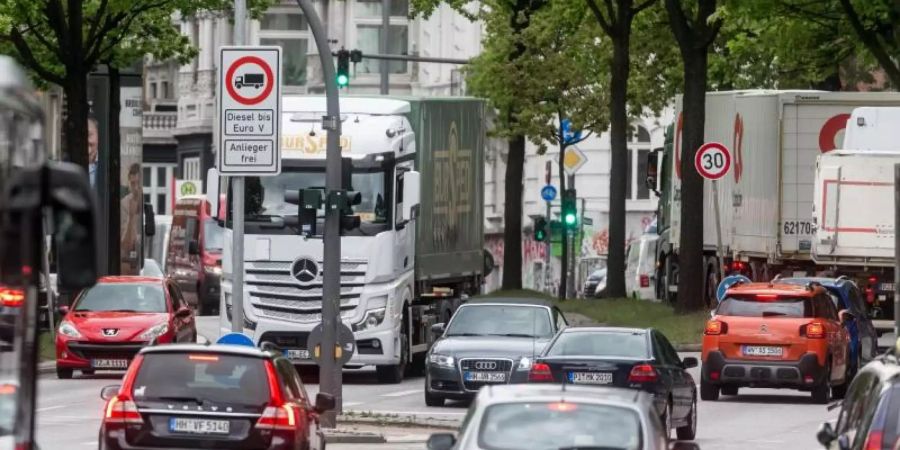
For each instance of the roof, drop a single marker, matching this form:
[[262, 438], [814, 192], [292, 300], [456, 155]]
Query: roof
[[224, 349], [128, 279], [523, 301], [605, 330], [520, 392], [771, 288]]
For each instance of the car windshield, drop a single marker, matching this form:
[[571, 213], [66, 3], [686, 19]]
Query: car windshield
[[589, 343], [222, 379], [765, 306], [126, 297], [501, 320], [7, 408], [213, 236], [550, 426]]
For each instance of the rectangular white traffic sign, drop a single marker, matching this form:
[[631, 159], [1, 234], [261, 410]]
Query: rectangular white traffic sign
[[249, 110]]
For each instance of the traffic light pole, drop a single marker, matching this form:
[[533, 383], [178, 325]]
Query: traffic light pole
[[330, 373]]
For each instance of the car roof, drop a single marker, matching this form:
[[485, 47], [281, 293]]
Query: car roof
[[221, 349], [606, 330], [523, 301], [128, 279], [774, 288], [834, 283], [558, 392]]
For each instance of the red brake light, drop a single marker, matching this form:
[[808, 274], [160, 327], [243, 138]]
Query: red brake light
[[209, 358], [715, 328], [540, 372], [122, 409], [282, 418], [738, 266], [12, 297], [815, 330], [873, 279], [645, 281], [642, 373], [874, 440], [766, 296], [562, 406]]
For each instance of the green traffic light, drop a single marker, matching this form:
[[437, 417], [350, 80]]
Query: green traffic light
[[570, 219], [343, 80], [539, 235]]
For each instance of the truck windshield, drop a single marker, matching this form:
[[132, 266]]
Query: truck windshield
[[213, 236]]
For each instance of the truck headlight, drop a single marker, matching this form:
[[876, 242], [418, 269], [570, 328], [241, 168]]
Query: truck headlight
[[154, 332], [67, 329], [372, 319], [442, 360]]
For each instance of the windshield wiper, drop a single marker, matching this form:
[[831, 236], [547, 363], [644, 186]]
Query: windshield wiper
[[122, 310], [466, 334], [523, 335], [179, 398]]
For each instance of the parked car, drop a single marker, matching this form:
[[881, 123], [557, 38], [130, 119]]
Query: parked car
[[110, 322], [595, 285], [211, 396], [640, 267], [777, 336], [847, 296], [870, 415], [488, 341], [194, 253], [633, 358], [551, 417]]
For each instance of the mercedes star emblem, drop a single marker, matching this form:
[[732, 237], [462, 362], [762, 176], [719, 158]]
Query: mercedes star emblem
[[305, 270]]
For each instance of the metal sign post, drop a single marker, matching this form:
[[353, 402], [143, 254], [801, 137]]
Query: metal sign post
[[712, 161]]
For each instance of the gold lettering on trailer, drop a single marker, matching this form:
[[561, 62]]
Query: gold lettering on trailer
[[310, 145], [452, 168]]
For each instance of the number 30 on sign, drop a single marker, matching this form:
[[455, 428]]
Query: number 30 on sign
[[713, 160]]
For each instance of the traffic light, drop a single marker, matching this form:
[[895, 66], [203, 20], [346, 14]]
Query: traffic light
[[540, 229], [343, 68], [569, 210]]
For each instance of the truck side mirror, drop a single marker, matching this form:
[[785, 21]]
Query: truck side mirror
[[411, 194], [149, 220], [652, 170], [212, 191]]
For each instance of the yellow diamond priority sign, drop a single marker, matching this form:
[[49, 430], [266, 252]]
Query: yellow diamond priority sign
[[574, 159]]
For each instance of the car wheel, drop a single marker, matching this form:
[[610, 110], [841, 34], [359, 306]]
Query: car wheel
[[64, 374], [433, 400], [821, 392], [729, 390], [708, 392], [667, 420], [689, 431], [393, 374]]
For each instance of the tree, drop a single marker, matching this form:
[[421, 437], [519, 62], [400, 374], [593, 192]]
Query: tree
[[615, 19], [877, 24], [695, 28], [61, 42]]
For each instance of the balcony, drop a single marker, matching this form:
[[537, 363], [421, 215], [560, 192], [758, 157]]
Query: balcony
[[158, 127]]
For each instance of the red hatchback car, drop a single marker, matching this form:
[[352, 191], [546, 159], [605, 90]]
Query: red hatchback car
[[110, 322]]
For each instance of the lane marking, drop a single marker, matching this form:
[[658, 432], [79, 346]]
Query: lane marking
[[51, 408], [403, 393]]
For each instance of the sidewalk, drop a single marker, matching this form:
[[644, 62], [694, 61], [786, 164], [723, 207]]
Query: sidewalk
[[377, 436]]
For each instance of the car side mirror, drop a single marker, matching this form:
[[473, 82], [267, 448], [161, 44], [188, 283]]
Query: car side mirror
[[62, 310], [437, 329], [324, 402], [683, 446], [193, 248], [845, 316], [826, 434], [689, 362], [441, 441], [109, 392], [182, 312], [149, 220]]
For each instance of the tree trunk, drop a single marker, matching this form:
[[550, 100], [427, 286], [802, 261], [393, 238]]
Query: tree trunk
[[114, 177], [691, 280], [76, 123], [512, 215], [564, 234], [615, 274]]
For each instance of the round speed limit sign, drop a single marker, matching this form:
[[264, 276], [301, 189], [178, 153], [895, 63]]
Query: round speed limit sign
[[713, 160]]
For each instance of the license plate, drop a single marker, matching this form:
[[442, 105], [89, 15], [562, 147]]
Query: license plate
[[109, 363], [295, 354], [886, 287], [759, 350], [590, 377], [198, 426], [487, 377]]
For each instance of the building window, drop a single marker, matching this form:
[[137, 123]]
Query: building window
[[191, 169], [372, 8], [286, 27], [153, 91], [636, 173], [158, 179], [367, 18], [164, 89]]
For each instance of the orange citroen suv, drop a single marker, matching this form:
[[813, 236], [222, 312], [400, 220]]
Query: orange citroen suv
[[776, 336]]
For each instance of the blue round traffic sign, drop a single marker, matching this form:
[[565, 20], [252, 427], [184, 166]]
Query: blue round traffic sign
[[235, 339], [727, 283], [548, 193]]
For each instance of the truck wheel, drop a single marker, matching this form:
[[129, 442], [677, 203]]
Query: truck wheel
[[393, 374]]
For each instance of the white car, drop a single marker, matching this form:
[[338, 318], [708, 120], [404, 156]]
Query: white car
[[640, 267]]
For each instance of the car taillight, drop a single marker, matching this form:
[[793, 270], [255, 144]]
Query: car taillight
[[874, 441], [642, 373], [715, 328], [282, 418], [645, 281], [540, 372], [121, 409], [12, 297], [813, 330]]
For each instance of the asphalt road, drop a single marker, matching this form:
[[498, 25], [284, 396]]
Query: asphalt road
[[70, 410]]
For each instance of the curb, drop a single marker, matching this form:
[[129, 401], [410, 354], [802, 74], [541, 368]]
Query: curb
[[349, 437], [46, 367], [402, 421]]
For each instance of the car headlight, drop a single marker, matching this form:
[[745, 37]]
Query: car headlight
[[66, 328], [525, 363], [215, 270], [442, 360], [372, 319], [155, 331]]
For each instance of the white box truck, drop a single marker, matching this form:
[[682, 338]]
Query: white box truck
[[399, 274], [766, 200]]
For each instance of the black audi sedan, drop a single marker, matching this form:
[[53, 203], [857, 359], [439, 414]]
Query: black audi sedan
[[487, 342], [625, 357]]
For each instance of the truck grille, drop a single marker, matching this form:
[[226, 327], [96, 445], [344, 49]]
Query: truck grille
[[276, 294], [470, 365]]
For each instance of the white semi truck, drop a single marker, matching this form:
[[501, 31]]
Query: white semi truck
[[409, 263], [766, 200]]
